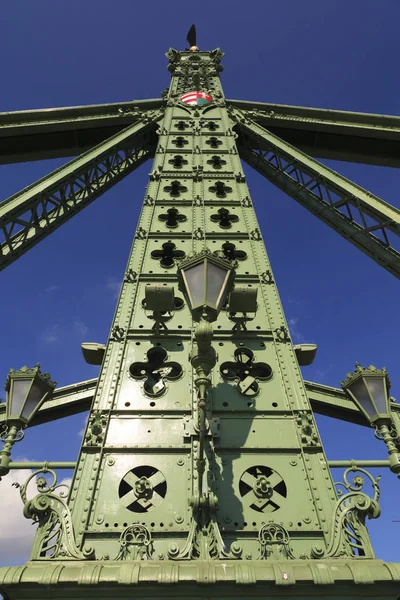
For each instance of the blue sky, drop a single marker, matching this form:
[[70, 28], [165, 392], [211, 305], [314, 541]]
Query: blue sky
[[338, 55]]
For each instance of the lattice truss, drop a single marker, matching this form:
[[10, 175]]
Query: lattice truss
[[276, 140]]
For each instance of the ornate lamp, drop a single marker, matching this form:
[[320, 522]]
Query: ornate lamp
[[369, 389], [26, 390], [205, 280]]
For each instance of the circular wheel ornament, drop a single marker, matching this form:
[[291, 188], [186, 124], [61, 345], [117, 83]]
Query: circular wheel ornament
[[262, 489], [196, 98], [142, 489]]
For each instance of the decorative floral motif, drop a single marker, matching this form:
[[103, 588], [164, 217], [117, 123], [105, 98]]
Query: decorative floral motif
[[274, 542], [349, 535], [135, 543], [55, 537]]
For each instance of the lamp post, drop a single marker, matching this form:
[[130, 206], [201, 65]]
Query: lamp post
[[205, 280], [26, 390], [369, 389]]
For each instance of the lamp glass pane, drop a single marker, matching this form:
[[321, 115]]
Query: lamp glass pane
[[359, 390], [19, 391], [35, 395], [215, 281], [377, 389], [195, 282]]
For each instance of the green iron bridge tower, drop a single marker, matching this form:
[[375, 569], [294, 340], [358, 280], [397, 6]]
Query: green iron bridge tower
[[201, 472]]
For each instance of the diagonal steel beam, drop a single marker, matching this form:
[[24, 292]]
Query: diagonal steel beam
[[335, 134], [32, 214], [59, 132], [357, 215]]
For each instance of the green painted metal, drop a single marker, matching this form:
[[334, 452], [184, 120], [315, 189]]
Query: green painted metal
[[41, 465], [65, 401], [30, 215], [80, 580], [344, 464], [325, 133], [29, 135], [201, 462], [360, 217], [333, 402], [77, 397]]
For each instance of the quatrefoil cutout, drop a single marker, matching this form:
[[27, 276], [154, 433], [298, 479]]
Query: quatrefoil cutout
[[220, 189], [175, 188], [172, 218], [246, 372], [213, 142], [156, 371], [224, 218], [180, 141], [178, 161], [167, 254], [210, 125], [216, 162], [182, 125], [230, 252]]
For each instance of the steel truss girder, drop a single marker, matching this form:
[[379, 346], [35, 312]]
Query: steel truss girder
[[60, 132], [353, 212], [335, 134], [30, 215]]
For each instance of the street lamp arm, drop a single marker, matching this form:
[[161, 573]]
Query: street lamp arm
[[12, 434], [63, 402], [333, 402]]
